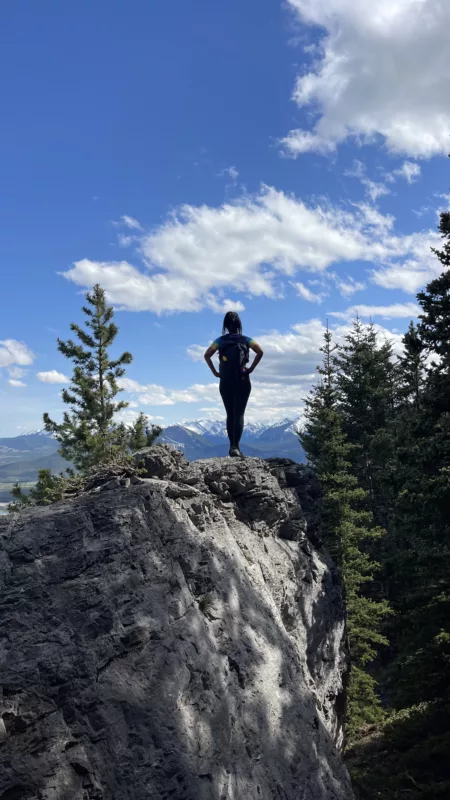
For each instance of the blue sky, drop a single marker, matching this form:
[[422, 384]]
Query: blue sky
[[285, 157]]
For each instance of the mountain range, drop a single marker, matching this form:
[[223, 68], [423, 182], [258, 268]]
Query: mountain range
[[22, 456], [208, 439]]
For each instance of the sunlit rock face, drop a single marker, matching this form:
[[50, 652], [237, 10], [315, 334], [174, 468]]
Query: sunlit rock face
[[176, 636]]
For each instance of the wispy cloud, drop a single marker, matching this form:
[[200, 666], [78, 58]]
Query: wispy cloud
[[16, 372], [394, 311], [13, 352], [374, 189], [131, 223], [307, 294], [52, 376], [16, 384], [347, 286], [409, 170], [230, 172], [253, 246]]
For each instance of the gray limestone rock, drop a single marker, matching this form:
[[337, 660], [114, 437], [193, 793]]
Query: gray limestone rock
[[176, 639], [160, 461]]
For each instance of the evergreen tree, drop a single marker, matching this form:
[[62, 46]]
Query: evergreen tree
[[423, 509], [411, 370], [48, 489], [142, 434], [88, 434], [435, 329], [399, 563], [346, 526], [367, 395]]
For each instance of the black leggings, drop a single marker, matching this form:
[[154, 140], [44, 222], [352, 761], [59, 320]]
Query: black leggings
[[235, 394]]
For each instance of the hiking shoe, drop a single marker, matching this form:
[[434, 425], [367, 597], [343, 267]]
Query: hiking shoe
[[235, 452]]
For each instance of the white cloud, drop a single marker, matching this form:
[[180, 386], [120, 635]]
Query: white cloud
[[410, 278], [409, 170], [269, 400], [17, 384], [348, 286], [382, 70], [126, 240], [307, 294], [130, 385], [373, 189], [14, 352], [291, 357], [252, 246], [222, 306], [16, 372], [394, 311], [128, 416], [155, 395], [414, 272], [280, 383], [232, 173], [52, 376], [131, 223]]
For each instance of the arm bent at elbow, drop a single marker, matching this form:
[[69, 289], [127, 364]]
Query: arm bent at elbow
[[259, 354], [208, 358]]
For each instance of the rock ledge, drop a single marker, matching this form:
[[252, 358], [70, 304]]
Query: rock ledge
[[175, 636]]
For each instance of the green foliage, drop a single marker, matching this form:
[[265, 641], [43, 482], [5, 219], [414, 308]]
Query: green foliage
[[347, 527], [420, 556], [363, 704], [48, 489], [411, 371], [88, 434], [366, 378], [397, 416], [405, 757], [141, 434]]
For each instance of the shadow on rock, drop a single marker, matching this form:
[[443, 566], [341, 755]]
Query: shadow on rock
[[162, 641]]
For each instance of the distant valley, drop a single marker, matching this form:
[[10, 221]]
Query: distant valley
[[22, 456]]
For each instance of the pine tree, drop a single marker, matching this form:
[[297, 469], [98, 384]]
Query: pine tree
[[423, 509], [142, 434], [346, 526], [435, 330], [411, 370], [399, 563], [88, 434], [48, 489], [367, 395]]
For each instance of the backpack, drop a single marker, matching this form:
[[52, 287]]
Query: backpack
[[233, 356]]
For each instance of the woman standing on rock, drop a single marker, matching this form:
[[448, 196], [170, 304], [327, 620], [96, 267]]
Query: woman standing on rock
[[235, 386]]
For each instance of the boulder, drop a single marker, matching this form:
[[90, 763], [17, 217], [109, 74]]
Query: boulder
[[180, 638]]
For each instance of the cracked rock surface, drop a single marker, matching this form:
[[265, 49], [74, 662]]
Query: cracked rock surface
[[176, 637]]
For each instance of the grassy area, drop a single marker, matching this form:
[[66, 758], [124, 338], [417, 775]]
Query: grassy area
[[406, 758]]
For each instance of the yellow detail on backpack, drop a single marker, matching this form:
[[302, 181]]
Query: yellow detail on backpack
[[224, 358]]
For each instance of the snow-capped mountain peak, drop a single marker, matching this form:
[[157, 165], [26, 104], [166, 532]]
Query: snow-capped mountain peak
[[207, 438], [216, 427], [39, 432], [206, 427]]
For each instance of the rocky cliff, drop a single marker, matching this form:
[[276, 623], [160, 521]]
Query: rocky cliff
[[175, 637]]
